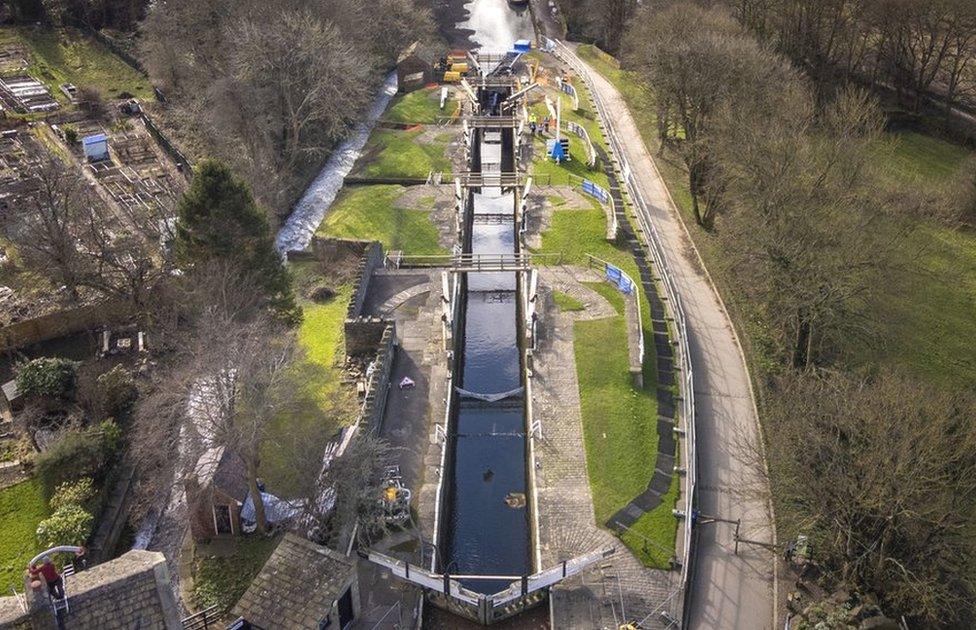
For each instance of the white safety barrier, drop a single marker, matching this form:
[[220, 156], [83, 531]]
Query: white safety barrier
[[580, 131]]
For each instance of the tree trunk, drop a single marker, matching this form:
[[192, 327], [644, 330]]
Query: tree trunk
[[252, 483], [801, 346]]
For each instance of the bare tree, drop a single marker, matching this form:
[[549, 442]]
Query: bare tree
[[304, 83], [47, 231], [810, 234], [232, 374], [695, 60], [881, 474]]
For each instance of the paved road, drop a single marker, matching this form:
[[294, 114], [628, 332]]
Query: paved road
[[729, 591]]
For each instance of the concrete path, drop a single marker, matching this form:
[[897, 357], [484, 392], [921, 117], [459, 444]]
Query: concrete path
[[728, 591]]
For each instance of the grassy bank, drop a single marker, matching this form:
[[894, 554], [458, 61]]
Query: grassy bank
[[619, 421], [408, 153], [321, 337], [420, 106], [69, 56], [371, 213]]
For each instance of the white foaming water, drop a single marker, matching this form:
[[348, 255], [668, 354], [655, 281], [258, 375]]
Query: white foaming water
[[297, 232], [497, 25]]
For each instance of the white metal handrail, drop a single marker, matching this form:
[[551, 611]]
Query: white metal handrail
[[563, 52]]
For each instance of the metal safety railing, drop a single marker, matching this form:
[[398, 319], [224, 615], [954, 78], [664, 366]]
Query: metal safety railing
[[687, 391]]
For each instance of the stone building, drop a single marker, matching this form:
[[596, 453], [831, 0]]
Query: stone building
[[302, 585], [131, 591]]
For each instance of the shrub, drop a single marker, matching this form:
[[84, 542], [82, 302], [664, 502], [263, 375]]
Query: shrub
[[70, 134], [116, 393], [69, 525], [78, 454], [47, 378], [110, 434], [73, 493]]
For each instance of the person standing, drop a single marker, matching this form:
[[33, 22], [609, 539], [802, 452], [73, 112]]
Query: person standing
[[55, 583]]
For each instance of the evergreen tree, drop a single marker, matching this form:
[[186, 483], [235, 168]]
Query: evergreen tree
[[219, 221]]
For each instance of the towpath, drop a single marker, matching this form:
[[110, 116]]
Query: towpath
[[728, 590]]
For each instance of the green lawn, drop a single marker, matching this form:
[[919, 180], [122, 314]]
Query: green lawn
[[929, 326], [420, 106], [221, 575], [68, 56], [619, 427], [929, 320], [321, 336], [371, 213], [22, 507], [566, 302], [924, 159], [395, 153], [619, 421]]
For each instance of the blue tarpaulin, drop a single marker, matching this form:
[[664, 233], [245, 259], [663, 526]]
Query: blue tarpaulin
[[619, 278]]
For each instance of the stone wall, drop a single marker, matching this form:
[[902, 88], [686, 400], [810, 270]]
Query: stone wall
[[371, 418], [61, 323], [328, 250], [11, 473], [372, 259], [363, 334]]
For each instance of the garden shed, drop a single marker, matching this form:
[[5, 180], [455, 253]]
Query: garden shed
[[217, 489], [413, 70], [96, 147]]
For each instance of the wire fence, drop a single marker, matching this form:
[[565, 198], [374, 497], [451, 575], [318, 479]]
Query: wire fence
[[687, 414]]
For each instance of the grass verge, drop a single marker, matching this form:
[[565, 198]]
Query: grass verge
[[371, 213], [566, 302], [221, 577]]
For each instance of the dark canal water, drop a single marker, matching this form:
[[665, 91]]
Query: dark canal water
[[487, 525]]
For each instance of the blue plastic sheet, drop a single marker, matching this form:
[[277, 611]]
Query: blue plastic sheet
[[617, 277]]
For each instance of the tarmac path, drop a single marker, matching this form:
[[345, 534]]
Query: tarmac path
[[728, 590]]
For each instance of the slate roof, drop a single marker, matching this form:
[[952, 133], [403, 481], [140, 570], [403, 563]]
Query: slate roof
[[122, 594], [296, 587]]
